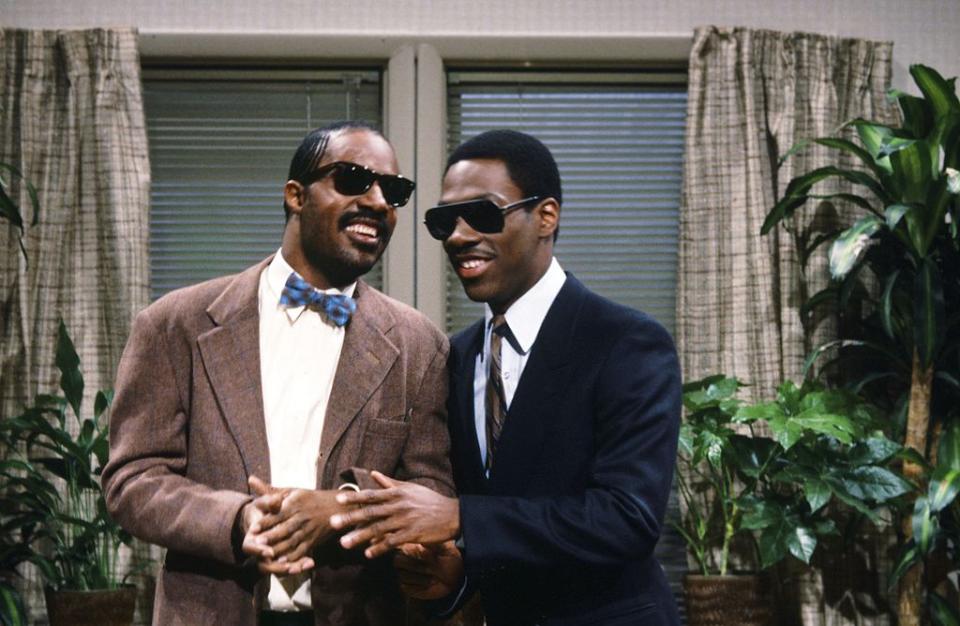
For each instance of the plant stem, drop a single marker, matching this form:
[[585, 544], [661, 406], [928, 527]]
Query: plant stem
[[728, 521], [918, 424]]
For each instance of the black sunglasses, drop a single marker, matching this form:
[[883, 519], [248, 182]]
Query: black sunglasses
[[482, 215], [351, 179]]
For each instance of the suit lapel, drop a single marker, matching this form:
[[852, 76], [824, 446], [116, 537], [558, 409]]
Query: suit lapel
[[546, 375], [470, 343], [231, 358], [366, 357]]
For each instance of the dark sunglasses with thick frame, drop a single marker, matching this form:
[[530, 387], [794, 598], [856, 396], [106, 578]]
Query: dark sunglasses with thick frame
[[351, 179], [482, 215]]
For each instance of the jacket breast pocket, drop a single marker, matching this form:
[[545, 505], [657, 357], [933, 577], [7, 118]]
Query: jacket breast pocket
[[383, 443]]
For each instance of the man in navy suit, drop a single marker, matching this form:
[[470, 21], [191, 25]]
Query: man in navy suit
[[564, 415]]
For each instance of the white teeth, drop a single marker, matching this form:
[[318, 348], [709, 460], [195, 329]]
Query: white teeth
[[363, 229], [471, 263]]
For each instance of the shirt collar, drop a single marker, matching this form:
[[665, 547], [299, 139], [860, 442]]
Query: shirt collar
[[277, 274], [526, 315]]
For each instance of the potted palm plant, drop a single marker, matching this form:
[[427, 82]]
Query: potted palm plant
[[774, 475], [896, 271], [52, 506]]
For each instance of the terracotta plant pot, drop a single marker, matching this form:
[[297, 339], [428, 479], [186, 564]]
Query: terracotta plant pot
[[104, 607], [726, 601]]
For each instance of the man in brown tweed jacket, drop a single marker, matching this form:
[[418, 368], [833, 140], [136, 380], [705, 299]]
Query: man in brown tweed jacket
[[228, 386]]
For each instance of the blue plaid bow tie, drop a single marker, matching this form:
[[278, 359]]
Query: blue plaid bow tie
[[298, 292]]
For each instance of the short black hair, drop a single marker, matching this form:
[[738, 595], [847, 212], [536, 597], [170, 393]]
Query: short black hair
[[314, 146], [530, 164]]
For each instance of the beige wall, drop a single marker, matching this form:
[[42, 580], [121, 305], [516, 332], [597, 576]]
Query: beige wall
[[925, 31]]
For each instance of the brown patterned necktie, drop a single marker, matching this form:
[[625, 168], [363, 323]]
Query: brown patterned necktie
[[496, 400]]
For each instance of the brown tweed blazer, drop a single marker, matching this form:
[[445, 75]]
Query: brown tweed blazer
[[187, 430]]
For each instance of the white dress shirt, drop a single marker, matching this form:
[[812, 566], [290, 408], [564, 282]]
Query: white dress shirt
[[524, 317], [299, 352]]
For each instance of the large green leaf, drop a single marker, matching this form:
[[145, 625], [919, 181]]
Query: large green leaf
[[877, 349], [943, 489], [31, 193], [886, 305], [852, 198], [789, 396], [947, 134], [71, 380], [909, 556], [828, 294], [854, 149], [762, 411], [839, 491], [751, 454], [102, 402], [773, 542], [939, 199], [873, 135], [938, 91], [928, 311], [924, 524], [833, 425], [802, 542], [913, 170], [709, 445], [874, 450], [709, 392], [685, 440], [848, 247], [943, 612], [872, 483], [12, 611], [9, 209], [917, 113], [817, 494], [948, 454], [895, 212], [796, 192], [762, 514]]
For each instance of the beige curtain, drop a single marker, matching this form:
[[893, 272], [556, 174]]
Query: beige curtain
[[752, 95], [71, 119]]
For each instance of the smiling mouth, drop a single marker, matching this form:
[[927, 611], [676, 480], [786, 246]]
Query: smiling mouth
[[470, 267], [363, 233], [362, 229]]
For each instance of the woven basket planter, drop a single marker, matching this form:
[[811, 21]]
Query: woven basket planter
[[726, 601], [113, 607]]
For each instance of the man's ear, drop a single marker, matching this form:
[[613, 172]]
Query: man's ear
[[548, 216], [293, 196]]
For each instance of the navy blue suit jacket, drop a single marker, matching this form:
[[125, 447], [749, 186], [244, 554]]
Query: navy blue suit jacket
[[563, 531]]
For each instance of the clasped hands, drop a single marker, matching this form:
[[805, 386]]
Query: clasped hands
[[282, 526]]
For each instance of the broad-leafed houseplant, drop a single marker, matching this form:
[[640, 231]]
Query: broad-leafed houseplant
[[52, 509], [896, 276], [776, 474]]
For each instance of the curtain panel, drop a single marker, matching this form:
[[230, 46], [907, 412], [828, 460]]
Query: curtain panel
[[752, 95], [71, 120]]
